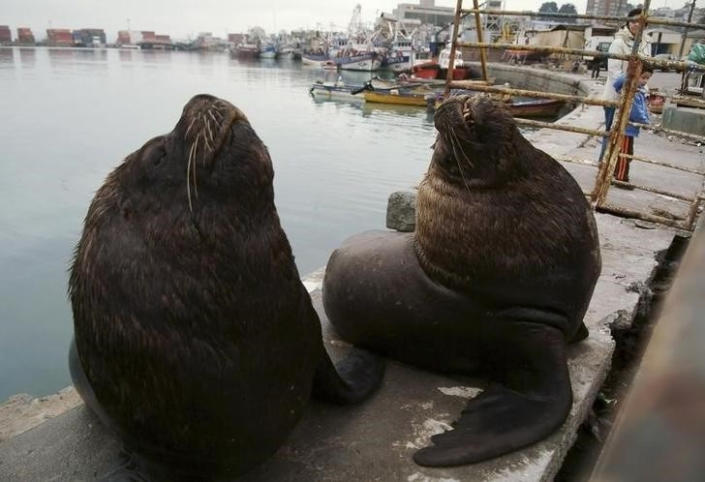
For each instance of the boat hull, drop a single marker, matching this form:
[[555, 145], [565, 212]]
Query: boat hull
[[365, 63], [315, 60], [396, 99], [397, 63], [327, 92], [426, 71]]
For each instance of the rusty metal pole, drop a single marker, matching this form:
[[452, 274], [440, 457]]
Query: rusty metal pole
[[453, 41], [605, 173], [483, 52]]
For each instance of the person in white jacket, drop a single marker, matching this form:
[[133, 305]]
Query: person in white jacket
[[622, 44]]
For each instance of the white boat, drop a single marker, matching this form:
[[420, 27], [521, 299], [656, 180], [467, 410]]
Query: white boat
[[367, 62], [269, 51], [444, 58], [317, 60], [336, 91], [400, 57]]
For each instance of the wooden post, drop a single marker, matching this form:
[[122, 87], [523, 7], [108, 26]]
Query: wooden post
[[453, 41], [483, 52]]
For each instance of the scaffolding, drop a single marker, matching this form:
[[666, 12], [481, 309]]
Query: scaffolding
[[606, 165]]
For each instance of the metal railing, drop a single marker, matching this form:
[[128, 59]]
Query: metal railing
[[635, 62]]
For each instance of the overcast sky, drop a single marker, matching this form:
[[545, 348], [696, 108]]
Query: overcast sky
[[183, 18]]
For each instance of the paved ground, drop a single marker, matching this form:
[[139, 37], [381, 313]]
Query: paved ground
[[657, 147], [375, 441]]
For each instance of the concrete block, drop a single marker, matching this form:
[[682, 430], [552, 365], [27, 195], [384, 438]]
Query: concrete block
[[684, 119], [376, 439], [401, 211]]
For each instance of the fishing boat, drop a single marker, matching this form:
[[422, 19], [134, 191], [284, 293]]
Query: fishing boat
[[531, 107], [336, 91], [269, 51], [518, 106], [460, 69], [247, 51], [352, 60], [400, 57], [438, 68], [427, 69], [314, 59]]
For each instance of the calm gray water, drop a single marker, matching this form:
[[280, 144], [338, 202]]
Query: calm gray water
[[70, 116]]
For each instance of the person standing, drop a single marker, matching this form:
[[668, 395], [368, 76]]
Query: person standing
[[622, 44], [639, 113], [595, 65]]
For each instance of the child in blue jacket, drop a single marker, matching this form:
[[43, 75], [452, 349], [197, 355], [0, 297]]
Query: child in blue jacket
[[640, 114]]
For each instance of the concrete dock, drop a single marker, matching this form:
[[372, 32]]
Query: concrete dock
[[375, 440]]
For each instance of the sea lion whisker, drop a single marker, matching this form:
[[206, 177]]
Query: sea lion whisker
[[195, 168], [210, 113], [457, 163], [190, 126], [210, 134], [458, 142], [188, 179]]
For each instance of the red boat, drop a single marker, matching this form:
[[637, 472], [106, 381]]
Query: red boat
[[426, 70], [433, 70]]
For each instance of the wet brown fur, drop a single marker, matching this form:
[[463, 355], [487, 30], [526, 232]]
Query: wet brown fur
[[192, 326], [492, 203]]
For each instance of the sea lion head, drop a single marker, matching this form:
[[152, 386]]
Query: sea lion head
[[477, 142], [211, 162]]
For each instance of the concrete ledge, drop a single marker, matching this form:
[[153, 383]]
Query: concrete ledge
[[21, 412], [684, 119], [375, 441]]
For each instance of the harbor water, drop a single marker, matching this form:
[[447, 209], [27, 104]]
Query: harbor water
[[70, 116]]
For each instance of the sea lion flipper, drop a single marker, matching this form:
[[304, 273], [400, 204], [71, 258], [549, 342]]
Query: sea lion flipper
[[352, 380], [532, 401]]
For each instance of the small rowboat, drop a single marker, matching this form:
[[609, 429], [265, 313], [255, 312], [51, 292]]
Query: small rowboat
[[335, 91], [395, 97]]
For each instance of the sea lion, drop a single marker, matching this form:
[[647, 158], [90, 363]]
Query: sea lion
[[494, 282], [195, 339]]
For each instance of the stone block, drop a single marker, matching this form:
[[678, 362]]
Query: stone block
[[401, 211], [684, 119]]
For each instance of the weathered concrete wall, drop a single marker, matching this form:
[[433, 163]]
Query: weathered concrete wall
[[543, 80]]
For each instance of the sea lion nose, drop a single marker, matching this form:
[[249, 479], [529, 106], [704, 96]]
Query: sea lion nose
[[203, 97]]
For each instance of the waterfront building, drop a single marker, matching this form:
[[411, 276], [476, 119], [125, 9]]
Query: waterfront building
[[163, 42], [89, 37], [25, 36], [146, 39], [236, 38], [123, 37], [424, 12], [5, 35], [606, 7], [59, 37]]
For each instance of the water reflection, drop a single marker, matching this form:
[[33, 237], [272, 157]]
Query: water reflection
[[27, 57], [390, 111], [60, 57], [155, 56], [335, 166], [125, 55], [7, 57]]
